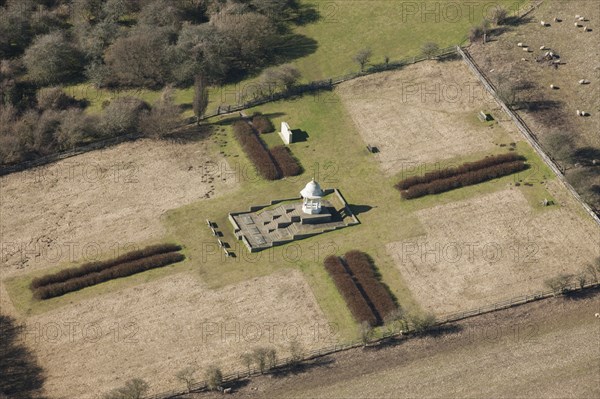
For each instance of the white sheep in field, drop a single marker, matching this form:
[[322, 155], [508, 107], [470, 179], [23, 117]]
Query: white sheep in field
[[543, 48], [578, 113], [552, 87], [577, 25], [597, 315], [582, 18], [519, 44], [543, 23], [577, 16], [584, 82], [585, 29]]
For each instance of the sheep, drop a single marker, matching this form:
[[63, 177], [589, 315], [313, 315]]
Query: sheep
[[597, 315], [584, 82], [582, 18], [577, 25], [585, 29], [543, 48], [583, 113], [519, 44], [578, 113], [553, 87], [543, 23], [577, 16]]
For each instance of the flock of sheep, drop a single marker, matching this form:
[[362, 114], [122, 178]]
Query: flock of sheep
[[554, 58]]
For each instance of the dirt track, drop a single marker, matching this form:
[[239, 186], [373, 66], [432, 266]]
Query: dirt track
[[546, 349]]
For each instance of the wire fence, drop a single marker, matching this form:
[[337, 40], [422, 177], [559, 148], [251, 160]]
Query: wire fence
[[408, 331], [311, 87]]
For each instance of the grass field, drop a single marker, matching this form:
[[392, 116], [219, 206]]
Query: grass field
[[176, 208], [546, 349], [389, 28]]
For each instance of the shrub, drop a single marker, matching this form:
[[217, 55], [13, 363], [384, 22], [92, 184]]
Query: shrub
[[262, 124], [52, 59], [54, 98], [499, 15], [559, 284], [288, 165], [256, 151], [121, 116], [214, 378], [354, 299], [465, 179], [95, 267], [464, 168], [118, 271], [476, 33], [361, 266], [133, 389]]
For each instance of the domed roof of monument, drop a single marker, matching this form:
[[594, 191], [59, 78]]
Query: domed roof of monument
[[312, 190]]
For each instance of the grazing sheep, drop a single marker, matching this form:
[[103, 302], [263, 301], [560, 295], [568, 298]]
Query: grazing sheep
[[543, 23], [577, 16], [553, 87], [582, 18], [578, 113], [584, 82], [597, 315], [519, 44], [543, 48], [585, 29], [526, 49], [577, 25]]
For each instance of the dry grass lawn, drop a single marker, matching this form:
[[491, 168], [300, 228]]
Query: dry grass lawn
[[153, 331], [492, 247], [425, 113], [100, 202]]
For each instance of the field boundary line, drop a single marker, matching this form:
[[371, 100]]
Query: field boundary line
[[524, 130], [407, 333]]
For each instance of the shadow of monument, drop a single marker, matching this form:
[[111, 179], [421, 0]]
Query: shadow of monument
[[358, 209], [300, 135]]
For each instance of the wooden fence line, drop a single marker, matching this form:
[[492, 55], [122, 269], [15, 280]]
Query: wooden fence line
[[525, 130], [314, 86], [232, 376]]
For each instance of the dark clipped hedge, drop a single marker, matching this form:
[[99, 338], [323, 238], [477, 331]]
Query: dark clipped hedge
[[256, 151], [357, 304], [363, 269], [466, 179], [462, 169], [94, 267], [288, 165], [120, 270], [262, 124]]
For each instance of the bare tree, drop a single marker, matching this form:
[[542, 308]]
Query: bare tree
[[200, 96], [214, 378], [296, 352], [421, 323], [593, 272], [133, 389], [162, 118], [271, 358], [430, 49], [186, 375], [581, 279], [366, 333], [363, 57], [247, 360], [559, 284], [499, 15], [260, 358]]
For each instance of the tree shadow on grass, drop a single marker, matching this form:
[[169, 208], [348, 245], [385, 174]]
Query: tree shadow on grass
[[292, 46], [582, 294], [303, 367], [21, 376]]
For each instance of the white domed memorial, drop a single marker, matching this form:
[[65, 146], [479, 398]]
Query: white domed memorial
[[281, 221], [311, 198]]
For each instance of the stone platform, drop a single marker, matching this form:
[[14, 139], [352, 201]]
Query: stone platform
[[278, 224]]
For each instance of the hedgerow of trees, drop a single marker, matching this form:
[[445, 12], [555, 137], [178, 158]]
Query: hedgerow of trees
[[124, 44]]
